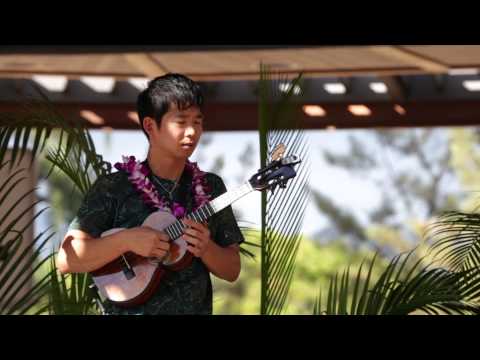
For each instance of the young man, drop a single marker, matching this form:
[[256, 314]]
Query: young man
[[170, 113]]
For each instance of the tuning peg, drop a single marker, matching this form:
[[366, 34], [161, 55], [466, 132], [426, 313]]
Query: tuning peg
[[273, 189]]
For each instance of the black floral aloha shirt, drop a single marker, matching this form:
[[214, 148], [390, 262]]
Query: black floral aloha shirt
[[112, 202]]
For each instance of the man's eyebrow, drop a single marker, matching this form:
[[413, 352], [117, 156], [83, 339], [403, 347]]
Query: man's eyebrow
[[198, 117], [182, 115]]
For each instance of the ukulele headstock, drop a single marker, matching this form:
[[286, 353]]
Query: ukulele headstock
[[277, 172]]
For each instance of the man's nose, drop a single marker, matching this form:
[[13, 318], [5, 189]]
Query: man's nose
[[190, 131]]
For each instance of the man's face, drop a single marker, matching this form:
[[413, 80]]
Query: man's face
[[178, 133]]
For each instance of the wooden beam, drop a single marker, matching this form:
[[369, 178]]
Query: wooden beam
[[396, 88], [310, 73], [244, 116], [411, 58], [139, 49], [71, 75], [145, 64]]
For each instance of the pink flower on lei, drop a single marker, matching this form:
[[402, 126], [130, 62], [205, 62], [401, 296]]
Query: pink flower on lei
[[138, 172]]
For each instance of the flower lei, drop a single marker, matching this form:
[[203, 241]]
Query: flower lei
[[137, 174]]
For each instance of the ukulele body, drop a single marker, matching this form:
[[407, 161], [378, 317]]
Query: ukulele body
[[133, 285]]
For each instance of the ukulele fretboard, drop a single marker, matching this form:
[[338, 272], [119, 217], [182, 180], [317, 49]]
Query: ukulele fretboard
[[175, 230]]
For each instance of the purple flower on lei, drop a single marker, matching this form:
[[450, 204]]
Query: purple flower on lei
[[137, 174]]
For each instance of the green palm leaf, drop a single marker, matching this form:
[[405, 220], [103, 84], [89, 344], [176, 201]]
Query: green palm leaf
[[282, 213], [33, 115], [70, 294], [456, 240], [404, 288], [42, 117], [72, 152], [19, 261]]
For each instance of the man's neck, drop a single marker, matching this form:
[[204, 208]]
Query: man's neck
[[164, 166]]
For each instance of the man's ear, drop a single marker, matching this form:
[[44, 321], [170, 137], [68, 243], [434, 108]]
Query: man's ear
[[148, 124]]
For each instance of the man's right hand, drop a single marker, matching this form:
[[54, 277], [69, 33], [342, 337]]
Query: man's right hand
[[148, 242]]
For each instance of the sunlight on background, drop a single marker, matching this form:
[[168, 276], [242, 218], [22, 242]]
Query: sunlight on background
[[371, 189]]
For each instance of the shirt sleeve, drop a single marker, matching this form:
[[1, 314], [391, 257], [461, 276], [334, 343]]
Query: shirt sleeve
[[97, 211], [223, 225]]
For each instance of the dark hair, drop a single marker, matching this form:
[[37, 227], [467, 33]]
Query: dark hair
[[165, 90]]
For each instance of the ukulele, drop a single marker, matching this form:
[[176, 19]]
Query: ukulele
[[131, 279]]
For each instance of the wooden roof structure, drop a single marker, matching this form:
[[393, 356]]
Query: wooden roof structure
[[425, 85]]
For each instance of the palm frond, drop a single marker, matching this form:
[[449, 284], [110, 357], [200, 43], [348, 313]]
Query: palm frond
[[13, 281], [35, 121], [19, 260], [456, 240], [282, 213], [73, 153], [39, 116], [70, 294], [403, 288], [317, 305], [441, 290]]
